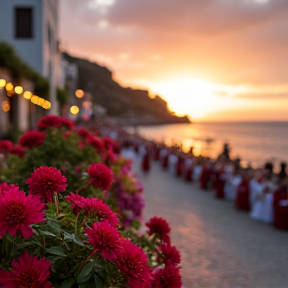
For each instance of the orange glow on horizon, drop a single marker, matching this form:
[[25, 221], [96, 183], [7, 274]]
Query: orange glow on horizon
[[203, 100]]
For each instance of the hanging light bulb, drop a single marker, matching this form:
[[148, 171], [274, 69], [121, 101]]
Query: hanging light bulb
[[18, 90]]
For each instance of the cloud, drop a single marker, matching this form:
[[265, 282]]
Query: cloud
[[264, 92], [193, 16], [224, 41]]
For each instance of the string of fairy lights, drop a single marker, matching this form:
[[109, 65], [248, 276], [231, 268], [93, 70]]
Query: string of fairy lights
[[12, 90]]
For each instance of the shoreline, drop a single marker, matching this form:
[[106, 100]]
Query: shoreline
[[253, 146]]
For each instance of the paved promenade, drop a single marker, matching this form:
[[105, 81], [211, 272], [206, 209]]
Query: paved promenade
[[220, 247]]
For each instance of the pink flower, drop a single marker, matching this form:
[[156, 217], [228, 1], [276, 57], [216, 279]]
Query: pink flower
[[111, 144], [100, 175], [108, 143], [96, 143], [46, 181], [18, 212], [109, 156], [160, 227], [83, 132], [105, 239], [167, 277], [67, 123], [171, 254], [5, 146], [49, 122], [67, 134], [18, 151], [132, 262], [97, 209], [77, 202], [77, 169], [5, 187], [53, 121], [82, 144], [28, 271], [32, 139]]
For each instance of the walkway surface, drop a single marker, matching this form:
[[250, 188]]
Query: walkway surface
[[220, 247]]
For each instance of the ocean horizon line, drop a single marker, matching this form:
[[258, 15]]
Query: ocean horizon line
[[234, 122]]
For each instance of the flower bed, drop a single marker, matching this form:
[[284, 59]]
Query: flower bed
[[70, 213]]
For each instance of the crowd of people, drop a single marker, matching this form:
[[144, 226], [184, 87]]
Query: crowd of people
[[261, 192]]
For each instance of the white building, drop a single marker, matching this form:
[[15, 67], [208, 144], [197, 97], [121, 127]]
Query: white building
[[31, 26], [69, 80]]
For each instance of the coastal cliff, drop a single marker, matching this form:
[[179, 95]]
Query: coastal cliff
[[125, 103]]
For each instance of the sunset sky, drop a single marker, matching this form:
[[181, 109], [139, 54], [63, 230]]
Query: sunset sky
[[212, 59]]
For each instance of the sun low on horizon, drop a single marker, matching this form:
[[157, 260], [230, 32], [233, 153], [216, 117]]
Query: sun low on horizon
[[212, 60], [202, 100]]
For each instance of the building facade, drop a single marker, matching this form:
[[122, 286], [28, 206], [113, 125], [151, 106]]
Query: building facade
[[31, 26]]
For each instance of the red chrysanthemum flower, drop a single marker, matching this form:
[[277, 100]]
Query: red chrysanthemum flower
[[32, 139], [132, 262], [53, 121], [111, 144], [167, 277], [67, 134], [100, 175], [45, 181], [67, 123], [49, 122], [97, 143], [4, 187], [5, 146], [109, 156], [98, 210], [82, 144], [106, 239], [18, 151], [83, 133], [77, 202], [27, 272], [159, 226], [77, 169], [18, 212], [108, 142], [171, 254]]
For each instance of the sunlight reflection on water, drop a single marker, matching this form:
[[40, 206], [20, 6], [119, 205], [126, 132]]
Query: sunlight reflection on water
[[254, 142]]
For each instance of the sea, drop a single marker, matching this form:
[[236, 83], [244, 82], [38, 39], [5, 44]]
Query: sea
[[255, 143]]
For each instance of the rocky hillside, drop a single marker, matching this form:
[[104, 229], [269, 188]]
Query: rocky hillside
[[122, 102]]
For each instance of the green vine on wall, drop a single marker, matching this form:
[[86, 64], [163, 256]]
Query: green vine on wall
[[19, 69]]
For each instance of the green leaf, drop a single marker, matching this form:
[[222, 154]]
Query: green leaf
[[68, 236], [98, 281], [68, 283], [23, 245], [47, 233], [85, 273], [54, 259], [67, 246], [54, 225], [97, 265], [79, 242], [37, 243], [56, 251], [136, 224]]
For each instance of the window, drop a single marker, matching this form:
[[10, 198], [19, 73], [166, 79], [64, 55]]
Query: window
[[23, 23]]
